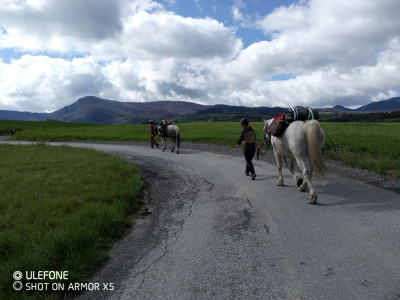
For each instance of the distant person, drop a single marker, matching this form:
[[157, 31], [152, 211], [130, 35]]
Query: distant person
[[152, 127], [13, 132], [249, 139]]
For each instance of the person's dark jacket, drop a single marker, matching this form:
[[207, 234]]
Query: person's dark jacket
[[248, 135]]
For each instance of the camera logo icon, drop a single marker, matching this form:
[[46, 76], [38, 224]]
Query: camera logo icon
[[18, 285], [17, 275]]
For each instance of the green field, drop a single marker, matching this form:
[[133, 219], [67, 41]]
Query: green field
[[373, 146], [61, 208]]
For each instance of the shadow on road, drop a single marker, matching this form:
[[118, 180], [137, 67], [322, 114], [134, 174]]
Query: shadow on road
[[385, 201]]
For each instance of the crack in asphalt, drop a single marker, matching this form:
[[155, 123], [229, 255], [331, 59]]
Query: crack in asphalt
[[191, 191]]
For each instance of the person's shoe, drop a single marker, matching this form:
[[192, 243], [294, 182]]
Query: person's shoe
[[253, 176], [247, 173], [158, 146]]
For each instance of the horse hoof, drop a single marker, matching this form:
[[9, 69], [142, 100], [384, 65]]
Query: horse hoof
[[164, 149], [313, 200], [177, 152], [303, 187], [299, 182], [172, 150], [280, 182]]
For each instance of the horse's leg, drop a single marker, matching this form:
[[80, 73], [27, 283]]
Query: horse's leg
[[296, 177], [278, 158], [173, 147], [163, 141], [305, 166]]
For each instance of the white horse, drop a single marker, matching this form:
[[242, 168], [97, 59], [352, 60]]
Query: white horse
[[301, 142], [172, 132]]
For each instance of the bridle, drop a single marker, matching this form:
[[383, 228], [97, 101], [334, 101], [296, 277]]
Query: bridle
[[268, 144], [265, 141]]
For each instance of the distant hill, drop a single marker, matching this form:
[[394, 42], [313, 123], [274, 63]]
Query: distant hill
[[96, 110], [92, 109], [385, 105], [221, 112], [341, 108], [21, 115]]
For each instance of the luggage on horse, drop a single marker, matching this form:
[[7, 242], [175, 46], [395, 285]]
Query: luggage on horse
[[278, 126], [166, 122], [297, 113], [300, 113]]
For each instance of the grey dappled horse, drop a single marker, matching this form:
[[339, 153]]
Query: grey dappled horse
[[301, 142], [172, 132]]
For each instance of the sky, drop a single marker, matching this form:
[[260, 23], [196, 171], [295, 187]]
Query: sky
[[316, 53]]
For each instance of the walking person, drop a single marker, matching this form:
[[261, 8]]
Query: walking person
[[152, 127], [250, 144]]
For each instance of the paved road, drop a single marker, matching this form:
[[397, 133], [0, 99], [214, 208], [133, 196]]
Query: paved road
[[215, 234]]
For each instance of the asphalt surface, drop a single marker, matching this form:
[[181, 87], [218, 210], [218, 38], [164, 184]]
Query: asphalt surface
[[215, 234]]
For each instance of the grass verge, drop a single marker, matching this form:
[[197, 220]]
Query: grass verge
[[61, 209]]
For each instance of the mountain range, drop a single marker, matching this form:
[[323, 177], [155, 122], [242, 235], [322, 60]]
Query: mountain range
[[92, 109]]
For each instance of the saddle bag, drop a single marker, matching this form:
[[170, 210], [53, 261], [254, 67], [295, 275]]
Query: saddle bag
[[278, 127], [300, 113], [166, 122]]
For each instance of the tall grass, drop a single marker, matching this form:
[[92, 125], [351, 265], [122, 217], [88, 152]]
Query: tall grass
[[60, 209]]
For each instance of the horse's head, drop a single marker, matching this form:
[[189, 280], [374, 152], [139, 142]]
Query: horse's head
[[265, 130], [159, 130], [266, 124]]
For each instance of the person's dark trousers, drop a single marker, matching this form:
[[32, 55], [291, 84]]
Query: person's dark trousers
[[153, 141], [249, 151]]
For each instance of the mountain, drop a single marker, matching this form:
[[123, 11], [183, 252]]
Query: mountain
[[21, 115], [385, 105], [92, 109], [96, 110], [340, 108]]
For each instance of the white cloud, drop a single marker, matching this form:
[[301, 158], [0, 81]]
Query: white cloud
[[62, 26], [336, 52], [41, 83], [168, 35]]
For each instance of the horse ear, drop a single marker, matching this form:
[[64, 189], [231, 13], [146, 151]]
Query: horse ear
[[264, 120]]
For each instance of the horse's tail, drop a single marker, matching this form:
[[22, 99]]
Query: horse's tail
[[178, 137], [315, 141]]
